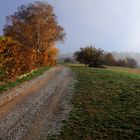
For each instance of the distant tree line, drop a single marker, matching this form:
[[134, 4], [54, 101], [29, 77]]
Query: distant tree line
[[93, 57], [29, 39]]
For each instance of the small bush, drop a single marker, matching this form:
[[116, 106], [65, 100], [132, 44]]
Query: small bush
[[68, 59]]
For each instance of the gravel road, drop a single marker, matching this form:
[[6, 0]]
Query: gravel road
[[39, 108]]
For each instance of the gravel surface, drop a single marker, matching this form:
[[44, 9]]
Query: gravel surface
[[39, 109]]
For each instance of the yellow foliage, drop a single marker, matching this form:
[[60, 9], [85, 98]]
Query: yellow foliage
[[12, 60]]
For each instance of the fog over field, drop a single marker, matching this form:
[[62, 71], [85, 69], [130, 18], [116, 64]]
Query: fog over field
[[123, 55], [117, 55]]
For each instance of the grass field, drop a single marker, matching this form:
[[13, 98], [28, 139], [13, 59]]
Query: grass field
[[131, 72], [106, 106]]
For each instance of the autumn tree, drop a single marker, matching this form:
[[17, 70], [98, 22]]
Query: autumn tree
[[121, 62], [12, 58], [127, 62], [90, 56], [49, 57], [131, 62], [109, 59], [35, 26]]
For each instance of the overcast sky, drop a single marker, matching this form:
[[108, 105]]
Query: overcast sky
[[113, 25]]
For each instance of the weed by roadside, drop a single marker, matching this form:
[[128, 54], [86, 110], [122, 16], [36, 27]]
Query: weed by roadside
[[28, 77]]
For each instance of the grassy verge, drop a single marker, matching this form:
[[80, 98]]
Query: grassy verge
[[28, 77], [129, 72], [106, 106]]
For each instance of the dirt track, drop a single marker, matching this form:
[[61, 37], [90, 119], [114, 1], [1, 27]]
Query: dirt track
[[39, 108]]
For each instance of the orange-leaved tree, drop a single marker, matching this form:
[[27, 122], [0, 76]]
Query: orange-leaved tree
[[12, 58], [35, 26]]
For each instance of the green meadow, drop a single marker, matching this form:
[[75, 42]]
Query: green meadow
[[106, 105]]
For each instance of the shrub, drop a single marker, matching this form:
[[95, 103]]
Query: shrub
[[90, 56]]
